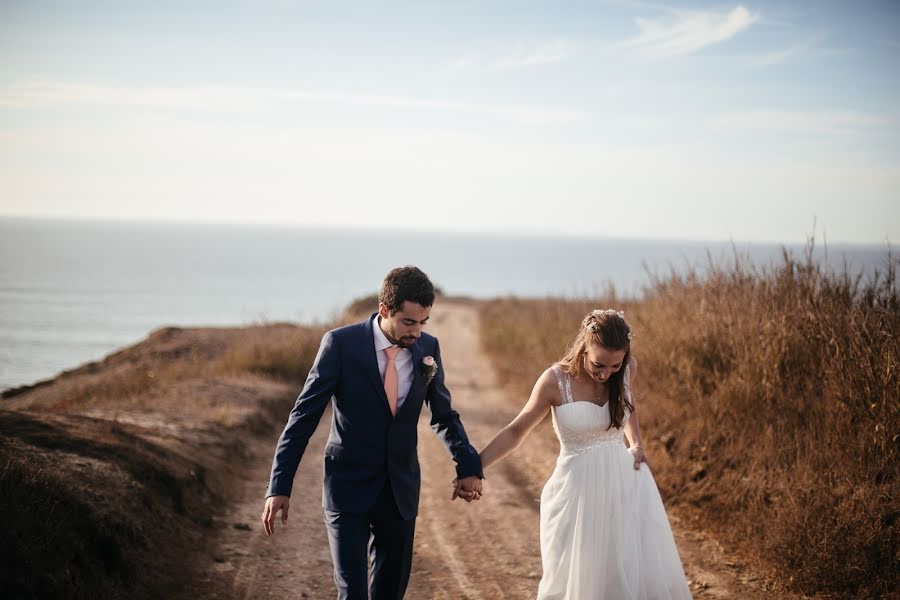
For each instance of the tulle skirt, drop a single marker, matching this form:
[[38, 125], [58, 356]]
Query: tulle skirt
[[604, 531]]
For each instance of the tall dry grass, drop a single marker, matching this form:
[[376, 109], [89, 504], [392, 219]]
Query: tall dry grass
[[773, 396], [94, 506], [287, 356], [154, 373]]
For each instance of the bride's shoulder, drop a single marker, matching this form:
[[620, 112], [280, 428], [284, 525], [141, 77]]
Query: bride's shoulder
[[549, 379], [553, 373], [548, 376]]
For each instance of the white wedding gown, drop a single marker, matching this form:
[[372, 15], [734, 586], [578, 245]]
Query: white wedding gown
[[604, 530]]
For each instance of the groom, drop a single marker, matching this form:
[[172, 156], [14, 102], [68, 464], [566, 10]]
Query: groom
[[377, 374]]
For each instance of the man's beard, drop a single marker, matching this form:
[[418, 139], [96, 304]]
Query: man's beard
[[406, 342]]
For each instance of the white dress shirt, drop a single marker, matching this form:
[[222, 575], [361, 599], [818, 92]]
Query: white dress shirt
[[403, 361]]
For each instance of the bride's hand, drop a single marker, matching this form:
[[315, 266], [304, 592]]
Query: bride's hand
[[637, 452], [459, 491]]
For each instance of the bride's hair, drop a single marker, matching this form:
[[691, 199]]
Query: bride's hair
[[606, 328]]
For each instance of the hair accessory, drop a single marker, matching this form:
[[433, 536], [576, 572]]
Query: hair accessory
[[592, 325]]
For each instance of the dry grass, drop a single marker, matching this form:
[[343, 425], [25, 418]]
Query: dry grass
[[91, 509], [110, 473], [770, 396], [285, 354], [167, 371], [359, 309]]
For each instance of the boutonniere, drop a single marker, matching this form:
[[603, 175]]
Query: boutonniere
[[429, 368]]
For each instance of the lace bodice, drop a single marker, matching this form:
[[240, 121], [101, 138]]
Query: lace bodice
[[582, 425]]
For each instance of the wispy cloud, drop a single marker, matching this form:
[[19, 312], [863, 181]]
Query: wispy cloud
[[834, 122], [774, 57], [682, 32], [809, 48], [247, 99], [522, 56]]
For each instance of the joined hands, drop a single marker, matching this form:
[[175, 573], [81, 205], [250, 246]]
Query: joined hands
[[467, 488]]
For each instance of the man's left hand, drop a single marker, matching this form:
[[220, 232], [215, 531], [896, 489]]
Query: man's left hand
[[467, 488]]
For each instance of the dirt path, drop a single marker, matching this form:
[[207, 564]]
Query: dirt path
[[483, 550]]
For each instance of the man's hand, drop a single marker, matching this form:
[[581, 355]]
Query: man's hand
[[273, 505], [467, 488]]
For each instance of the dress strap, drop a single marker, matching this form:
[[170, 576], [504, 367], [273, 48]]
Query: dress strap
[[562, 379], [626, 382]]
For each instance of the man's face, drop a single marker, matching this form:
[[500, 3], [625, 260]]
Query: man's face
[[405, 326]]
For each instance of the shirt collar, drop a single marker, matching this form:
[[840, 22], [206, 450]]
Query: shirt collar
[[381, 341]]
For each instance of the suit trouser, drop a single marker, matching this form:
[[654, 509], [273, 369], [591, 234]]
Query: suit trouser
[[381, 534]]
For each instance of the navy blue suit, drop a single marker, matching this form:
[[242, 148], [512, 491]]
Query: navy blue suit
[[371, 464]]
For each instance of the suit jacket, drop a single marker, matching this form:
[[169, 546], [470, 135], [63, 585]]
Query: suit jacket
[[367, 446]]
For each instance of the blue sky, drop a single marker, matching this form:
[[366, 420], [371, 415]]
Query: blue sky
[[679, 120]]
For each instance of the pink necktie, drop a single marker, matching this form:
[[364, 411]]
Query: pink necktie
[[391, 380]]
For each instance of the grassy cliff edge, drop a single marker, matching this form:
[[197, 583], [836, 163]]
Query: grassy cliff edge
[[111, 475]]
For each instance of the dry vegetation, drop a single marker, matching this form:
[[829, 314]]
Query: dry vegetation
[[110, 472], [770, 403]]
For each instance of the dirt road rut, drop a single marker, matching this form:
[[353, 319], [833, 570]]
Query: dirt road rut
[[482, 550]]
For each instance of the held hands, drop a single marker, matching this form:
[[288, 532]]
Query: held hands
[[637, 452], [467, 488], [273, 505]]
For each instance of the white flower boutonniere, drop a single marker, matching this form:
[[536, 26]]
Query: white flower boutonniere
[[429, 368]]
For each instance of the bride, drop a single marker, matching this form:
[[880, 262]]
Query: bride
[[604, 531]]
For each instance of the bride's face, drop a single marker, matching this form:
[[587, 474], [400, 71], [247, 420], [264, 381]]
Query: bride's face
[[601, 363]]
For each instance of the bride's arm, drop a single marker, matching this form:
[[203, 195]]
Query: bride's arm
[[537, 407], [633, 425]]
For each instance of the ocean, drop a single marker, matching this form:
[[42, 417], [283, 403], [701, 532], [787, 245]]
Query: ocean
[[72, 291]]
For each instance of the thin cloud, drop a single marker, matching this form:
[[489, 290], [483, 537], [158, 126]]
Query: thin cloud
[[520, 57], [774, 57], [840, 122], [242, 99], [688, 32], [809, 48]]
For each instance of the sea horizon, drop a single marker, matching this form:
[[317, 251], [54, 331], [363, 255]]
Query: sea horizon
[[72, 290], [820, 237]]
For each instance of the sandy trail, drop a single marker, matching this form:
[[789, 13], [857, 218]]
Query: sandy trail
[[481, 550]]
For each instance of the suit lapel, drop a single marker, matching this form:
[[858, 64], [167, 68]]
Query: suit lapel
[[371, 361], [416, 361], [416, 375]]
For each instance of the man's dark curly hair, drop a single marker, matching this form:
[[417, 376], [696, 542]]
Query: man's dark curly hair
[[406, 284]]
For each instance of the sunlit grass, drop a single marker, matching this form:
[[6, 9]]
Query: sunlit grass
[[771, 397], [108, 473]]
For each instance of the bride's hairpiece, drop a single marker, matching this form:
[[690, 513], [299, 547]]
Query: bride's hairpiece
[[592, 325], [609, 311]]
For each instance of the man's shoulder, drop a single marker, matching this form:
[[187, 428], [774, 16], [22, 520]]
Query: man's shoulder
[[348, 331]]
